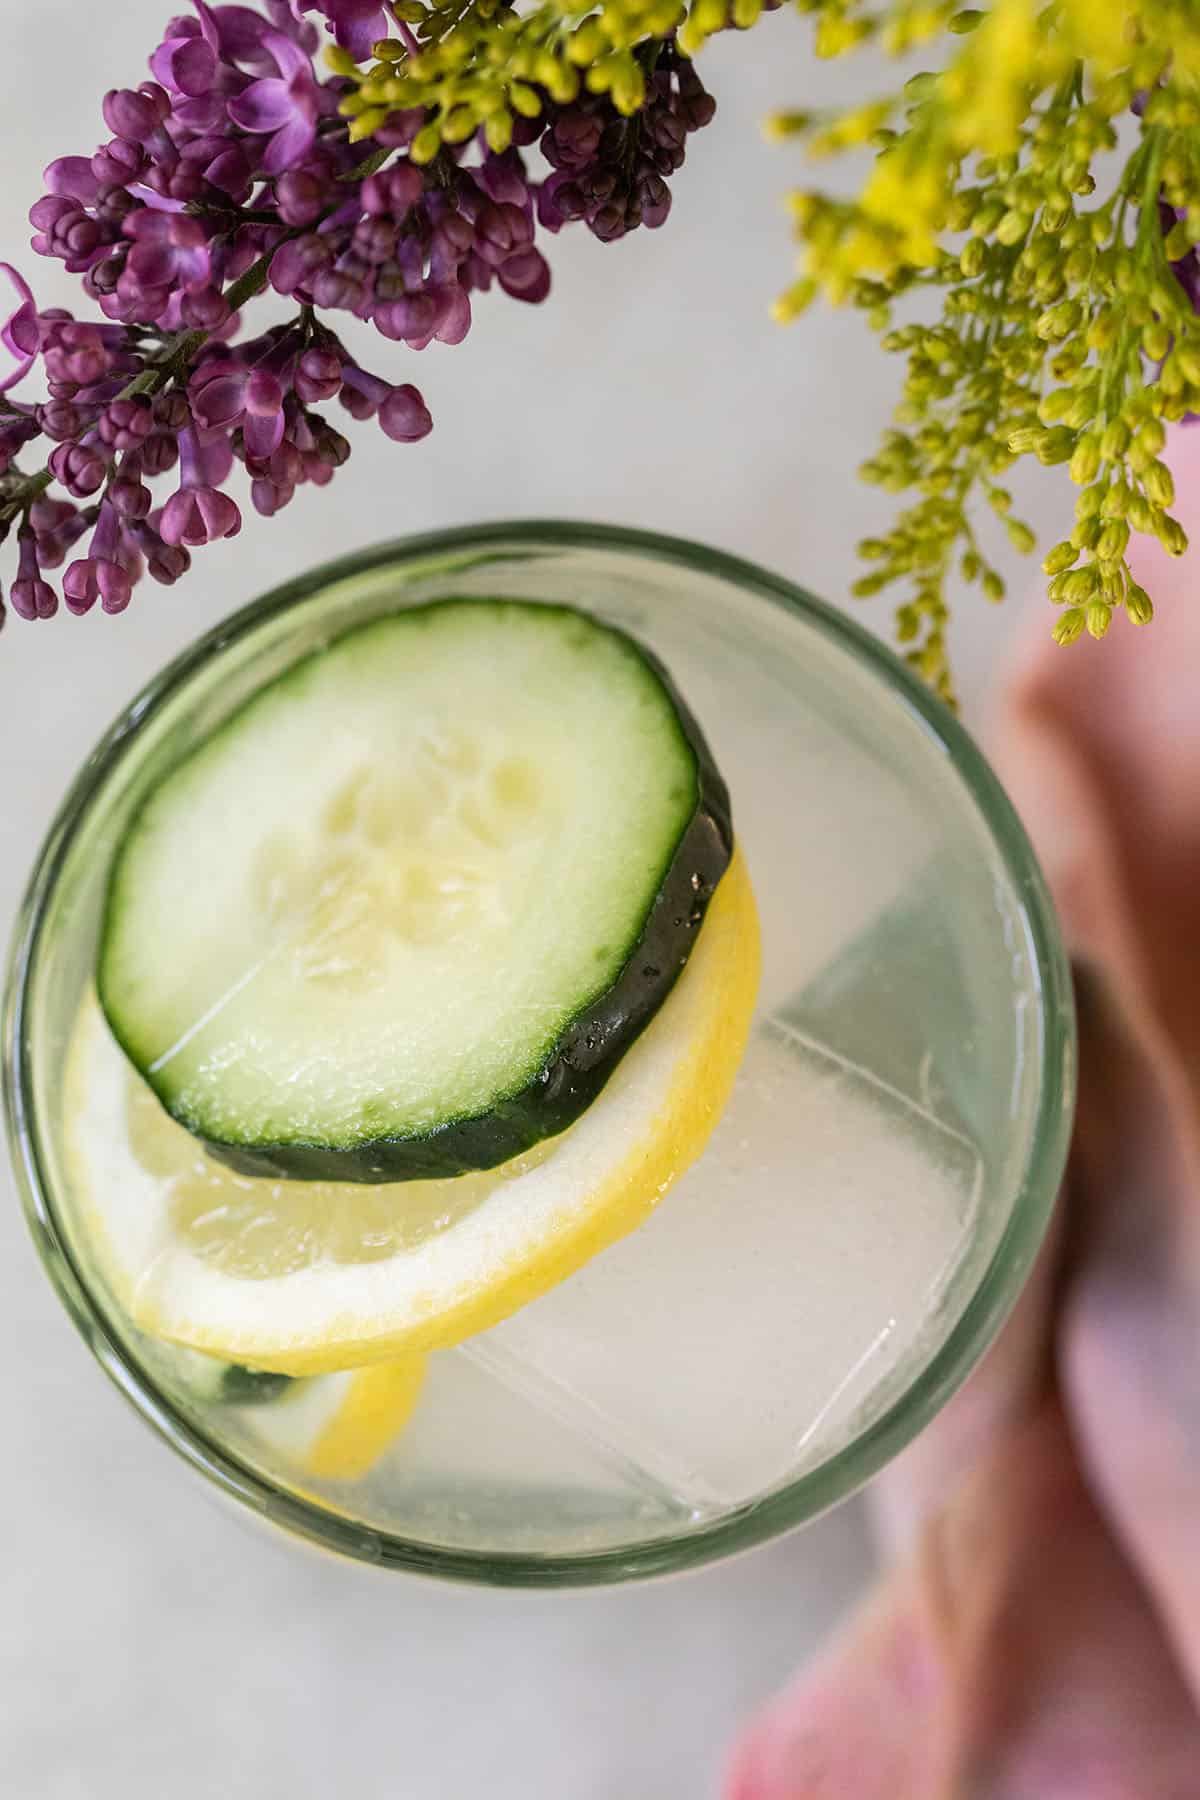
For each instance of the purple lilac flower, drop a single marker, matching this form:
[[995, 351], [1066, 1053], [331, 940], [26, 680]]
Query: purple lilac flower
[[170, 254], [166, 563], [404, 416], [235, 158], [104, 573], [610, 171], [185, 62], [57, 526], [356, 24], [287, 105], [20, 333], [31, 596]]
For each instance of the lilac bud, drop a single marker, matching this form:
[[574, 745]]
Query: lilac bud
[[32, 598], [525, 276], [559, 201], [72, 177], [166, 563], [118, 163], [294, 264], [318, 375], [127, 492], [337, 288], [698, 108], [412, 319], [609, 222], [375, 240], [204, 309], [330, 445], [233, 173], [655, 198], [404, 415], [268, 498], [263, 420], [54, 545], [80, 470], [65, 231], [45, 213], [283, 466], [400, 128], [125, 424], [160, 452], [171, 411], [392, 193], [96, 578], [316, 471], [178, 182], [667, 130], [362, 394], [219, 162], [452, 239], [573, 139], [102, 278], [301, 196], [60, 420], [503, 178], [135, 115], [100, 575], [217, 394], [199, 515], [499, 231], [601, 185]]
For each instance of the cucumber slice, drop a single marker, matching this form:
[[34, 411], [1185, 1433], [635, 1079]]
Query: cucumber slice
[[401, 916], [219, 1383]]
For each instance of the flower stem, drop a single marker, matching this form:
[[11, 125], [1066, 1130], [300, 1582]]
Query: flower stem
[[24, 496]]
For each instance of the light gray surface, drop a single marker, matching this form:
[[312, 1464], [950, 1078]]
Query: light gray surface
[[151, 1643]]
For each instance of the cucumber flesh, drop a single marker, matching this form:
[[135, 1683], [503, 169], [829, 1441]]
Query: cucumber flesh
[[401, 915]]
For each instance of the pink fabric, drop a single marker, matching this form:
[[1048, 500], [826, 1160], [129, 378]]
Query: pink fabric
[[1038, 1634]]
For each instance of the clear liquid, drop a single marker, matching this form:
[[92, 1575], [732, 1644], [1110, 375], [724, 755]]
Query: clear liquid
[[797, 1278]]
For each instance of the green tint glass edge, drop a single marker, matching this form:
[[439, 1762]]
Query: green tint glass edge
[[455, 552]]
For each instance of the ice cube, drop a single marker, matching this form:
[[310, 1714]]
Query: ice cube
[[736, 1337], [482, 1465]]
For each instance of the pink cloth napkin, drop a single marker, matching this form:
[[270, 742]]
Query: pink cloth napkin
[[1037, 1635]]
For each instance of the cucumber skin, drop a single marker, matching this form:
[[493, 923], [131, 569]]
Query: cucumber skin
[[241, 1386], [588, 1049]]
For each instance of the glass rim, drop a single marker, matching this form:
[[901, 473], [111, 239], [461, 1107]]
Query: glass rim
[[796, 1501]]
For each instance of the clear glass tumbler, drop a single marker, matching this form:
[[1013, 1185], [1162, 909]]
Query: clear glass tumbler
[[814, 1289]]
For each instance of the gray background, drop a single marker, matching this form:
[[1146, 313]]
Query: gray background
[[150, 1641]]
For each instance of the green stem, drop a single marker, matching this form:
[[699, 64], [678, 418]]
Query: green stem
[[1145, 170], [25, 495], [1156, 149]]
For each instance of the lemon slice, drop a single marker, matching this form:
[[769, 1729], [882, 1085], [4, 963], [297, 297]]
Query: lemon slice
[[309, 1277], [332, 1427], [336, 1427]]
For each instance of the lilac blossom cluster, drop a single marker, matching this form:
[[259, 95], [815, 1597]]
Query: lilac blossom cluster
[[611, 171], [229, 172]]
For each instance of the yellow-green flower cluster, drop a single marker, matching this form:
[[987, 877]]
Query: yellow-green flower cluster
[[1067, 274], [476, 65], [1066, 269]]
